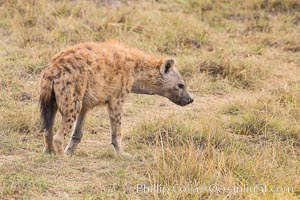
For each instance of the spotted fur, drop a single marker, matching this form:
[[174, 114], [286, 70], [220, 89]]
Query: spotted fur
[[91, 74]]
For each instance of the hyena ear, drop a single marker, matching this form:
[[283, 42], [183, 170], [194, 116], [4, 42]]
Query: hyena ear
[[167, 65]]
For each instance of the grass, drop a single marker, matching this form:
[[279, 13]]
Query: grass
[[239, 59]]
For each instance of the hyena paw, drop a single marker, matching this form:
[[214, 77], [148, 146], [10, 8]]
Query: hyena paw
[[58, 145], [69, 152], [48, 151], [59, 152]]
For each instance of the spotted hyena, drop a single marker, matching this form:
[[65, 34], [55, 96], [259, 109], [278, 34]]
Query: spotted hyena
[[91, 74]]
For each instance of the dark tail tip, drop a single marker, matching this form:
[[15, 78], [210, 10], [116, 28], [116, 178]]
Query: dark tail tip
[[47, 109]]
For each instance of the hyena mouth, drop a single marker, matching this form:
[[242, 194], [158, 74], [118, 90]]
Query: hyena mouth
[[184, 103]]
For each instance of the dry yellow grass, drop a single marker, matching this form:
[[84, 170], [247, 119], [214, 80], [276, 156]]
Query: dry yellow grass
[[240, 59]]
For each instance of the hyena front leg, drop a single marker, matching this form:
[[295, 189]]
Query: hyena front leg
[[115, 112], [77, 135]]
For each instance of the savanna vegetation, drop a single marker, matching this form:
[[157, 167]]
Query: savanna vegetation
[[240, 59]]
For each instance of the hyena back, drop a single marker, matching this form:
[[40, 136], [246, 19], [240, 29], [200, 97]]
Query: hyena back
[[91, 74]]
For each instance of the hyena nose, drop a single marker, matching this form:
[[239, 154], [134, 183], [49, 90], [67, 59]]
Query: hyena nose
[[191, 100]]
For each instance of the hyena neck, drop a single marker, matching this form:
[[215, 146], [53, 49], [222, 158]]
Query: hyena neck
[[140, 88], [146, 70]]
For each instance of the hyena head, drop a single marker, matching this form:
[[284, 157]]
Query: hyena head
[[167, 82]]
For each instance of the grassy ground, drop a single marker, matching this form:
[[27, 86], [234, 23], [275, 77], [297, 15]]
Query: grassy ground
[[241, 60]]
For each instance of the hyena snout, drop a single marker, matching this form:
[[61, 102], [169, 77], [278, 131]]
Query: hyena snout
[[183, 98], [190, 99], [187, 99]]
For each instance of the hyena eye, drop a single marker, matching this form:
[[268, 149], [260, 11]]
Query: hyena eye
[[180, 85]]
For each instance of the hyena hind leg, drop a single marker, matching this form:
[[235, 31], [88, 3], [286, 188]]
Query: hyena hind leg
[[77, 134], [69, 114], [65, 128]]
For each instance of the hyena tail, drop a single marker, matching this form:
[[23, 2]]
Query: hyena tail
[[48, 105]]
